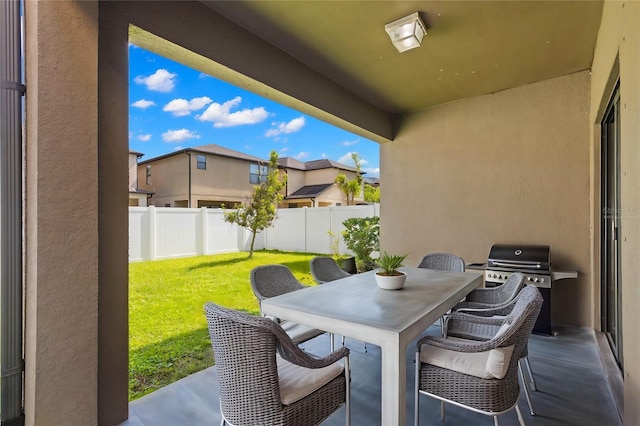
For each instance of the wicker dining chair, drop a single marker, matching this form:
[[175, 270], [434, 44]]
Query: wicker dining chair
[[492, 297], [265, 379], [273, 280], [324, 269], [442, 262], [495, 316], [481, 376]]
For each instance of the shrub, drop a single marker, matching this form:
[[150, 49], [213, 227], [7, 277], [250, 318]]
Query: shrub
[[362, 237]]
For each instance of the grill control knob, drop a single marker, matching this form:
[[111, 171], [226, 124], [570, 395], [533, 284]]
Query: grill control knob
[[529, 279], [535, 280], [541, 280]]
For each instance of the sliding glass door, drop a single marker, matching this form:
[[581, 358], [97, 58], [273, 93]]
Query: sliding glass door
[[611, 214]]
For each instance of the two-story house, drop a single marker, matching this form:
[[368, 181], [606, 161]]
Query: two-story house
[[213, 176], [311, 183], [203, 176]]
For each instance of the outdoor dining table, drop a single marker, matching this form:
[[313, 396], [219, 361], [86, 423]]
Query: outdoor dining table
[[355, 307]]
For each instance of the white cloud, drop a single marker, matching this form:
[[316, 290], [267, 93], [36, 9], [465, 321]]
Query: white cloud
[[301, 155], [178, 148], [349, 143], [180, 107], [179, 135], [221, 115], [285, 149], [372, 171], [143, 104], [160, 81], [144, 138], [347, 160], [292, 126]]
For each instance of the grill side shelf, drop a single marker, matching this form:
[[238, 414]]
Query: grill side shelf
[[561, 275]]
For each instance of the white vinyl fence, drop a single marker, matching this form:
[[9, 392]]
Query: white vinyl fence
[[166, 232]]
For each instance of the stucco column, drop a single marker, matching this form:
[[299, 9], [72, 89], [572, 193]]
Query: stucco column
[[113, 214], [61, 323]]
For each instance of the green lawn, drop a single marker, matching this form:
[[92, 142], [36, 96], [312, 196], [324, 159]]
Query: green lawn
[[168, 336]]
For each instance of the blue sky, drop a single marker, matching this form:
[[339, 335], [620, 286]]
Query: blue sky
[[172, 107]]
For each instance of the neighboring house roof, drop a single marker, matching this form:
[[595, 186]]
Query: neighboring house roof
[[141, 191], [310, 191], [324, 163], [211, 149], [372, 181], [291, 163], [136, 153]]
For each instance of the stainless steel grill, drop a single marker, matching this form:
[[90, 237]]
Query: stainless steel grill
[[531, 260], [534, 262]]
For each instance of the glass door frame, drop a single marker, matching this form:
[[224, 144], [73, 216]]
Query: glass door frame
[[610, 226]]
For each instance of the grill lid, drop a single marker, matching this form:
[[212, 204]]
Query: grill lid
[[528, 257]]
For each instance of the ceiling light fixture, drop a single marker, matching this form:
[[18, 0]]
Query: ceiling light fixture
[[406, 33]]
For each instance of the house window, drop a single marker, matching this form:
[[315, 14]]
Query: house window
[[149, 174], [202, 162], [257, 174]]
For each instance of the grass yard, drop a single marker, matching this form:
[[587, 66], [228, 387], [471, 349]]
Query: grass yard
[[168, 337]]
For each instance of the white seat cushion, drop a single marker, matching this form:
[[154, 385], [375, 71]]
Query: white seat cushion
[[491, 364], [297, 382], [298, 332]]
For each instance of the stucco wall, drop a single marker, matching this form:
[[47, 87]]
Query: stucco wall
[[511, 167], [169, 178], [62, 255], [295, 180], [133, 172], [225, 178], [619, 37]]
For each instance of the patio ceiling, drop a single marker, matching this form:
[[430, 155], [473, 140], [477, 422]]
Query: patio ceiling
[[472, 47]]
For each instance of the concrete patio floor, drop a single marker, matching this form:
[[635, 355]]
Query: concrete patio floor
[[570, 374]]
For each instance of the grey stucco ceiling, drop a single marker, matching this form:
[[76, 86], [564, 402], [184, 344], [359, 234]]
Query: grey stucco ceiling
[[472, 47]]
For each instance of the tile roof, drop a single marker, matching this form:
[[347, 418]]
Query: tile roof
[[324, 163], [214, 150], [291, 163], [226, 152], [310, 191]]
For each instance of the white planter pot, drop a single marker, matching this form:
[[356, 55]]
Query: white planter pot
[[391, 282]]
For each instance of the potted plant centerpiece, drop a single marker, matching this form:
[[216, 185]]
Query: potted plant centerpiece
[[388, 277]]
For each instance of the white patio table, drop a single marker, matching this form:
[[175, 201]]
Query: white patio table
[[355, 307]]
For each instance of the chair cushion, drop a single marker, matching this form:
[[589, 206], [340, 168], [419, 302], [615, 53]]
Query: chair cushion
[[491, 364], [298, 332], [297, 382]]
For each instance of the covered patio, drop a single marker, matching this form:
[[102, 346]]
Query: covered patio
[[570, 375], [490, 132]]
